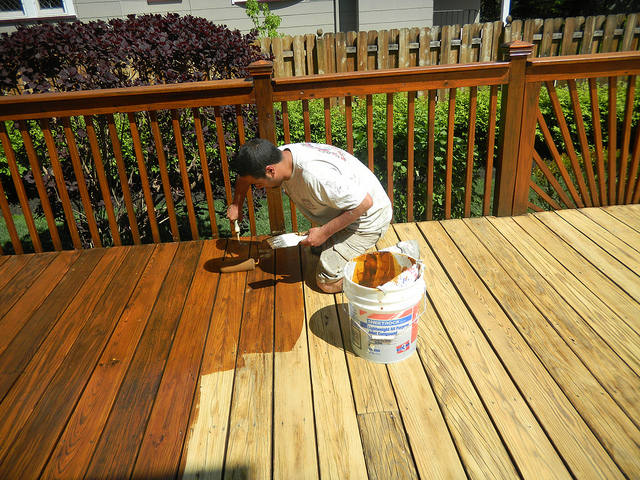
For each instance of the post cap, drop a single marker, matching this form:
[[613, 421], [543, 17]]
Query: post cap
[[516, 49], [261, 67]]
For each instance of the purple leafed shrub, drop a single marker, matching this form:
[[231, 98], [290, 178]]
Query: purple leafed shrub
[[139, 50]]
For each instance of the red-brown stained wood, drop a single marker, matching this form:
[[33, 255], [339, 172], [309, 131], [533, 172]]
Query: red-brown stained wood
[[15, 319], [584, 144], [118, 447], [159, 455], [11, 292], [42, 192], [186, 186], [69, 320], [23, 348], [204, 164], [25, 457], [11, 267], [75, 447]]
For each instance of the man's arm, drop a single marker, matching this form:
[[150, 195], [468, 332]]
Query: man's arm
[[319, 235], [234, 212]]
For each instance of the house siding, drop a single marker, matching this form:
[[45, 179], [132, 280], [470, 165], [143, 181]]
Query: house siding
[[376, 14]]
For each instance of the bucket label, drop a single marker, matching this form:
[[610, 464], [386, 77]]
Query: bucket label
[[384, 324]]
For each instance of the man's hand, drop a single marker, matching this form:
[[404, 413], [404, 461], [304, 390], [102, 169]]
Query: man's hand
[[315, 237], [234, 212]]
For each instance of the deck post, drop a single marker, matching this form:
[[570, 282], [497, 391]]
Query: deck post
[[512, 125], [262, 72]]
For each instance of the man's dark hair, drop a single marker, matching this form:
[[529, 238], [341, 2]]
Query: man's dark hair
[[254, 156]]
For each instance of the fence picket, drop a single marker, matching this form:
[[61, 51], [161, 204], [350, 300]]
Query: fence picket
[[448, 44]]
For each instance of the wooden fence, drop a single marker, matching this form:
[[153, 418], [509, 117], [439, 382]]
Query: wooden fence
[[450, 44]]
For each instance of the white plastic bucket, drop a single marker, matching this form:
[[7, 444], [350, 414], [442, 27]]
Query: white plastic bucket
[[384, 325]]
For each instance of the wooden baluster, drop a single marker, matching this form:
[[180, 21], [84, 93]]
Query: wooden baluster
[[184, 174], [144, 179], [102, 180], [82, 185], [633, 171], [613, 134], [17, 182], [491, 143], [222, 147], [430, 152], [584, 143], [327, 120], [349, 123], [206, 175], [471, 141], [554, 183], [449, 160], [164, 174], [597, 136], [557, 158], [623, 181], [390, 147], [306, 120], [370, 140], [36, 169], [124, 179], [571, 152], [8, 220], [411, 115], [241, 140], [287, 140], [62, 187]]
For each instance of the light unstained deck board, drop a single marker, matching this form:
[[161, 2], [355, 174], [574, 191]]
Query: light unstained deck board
[[293, 422], [600, 316], [532, 451], [548, 362], [204, 451], [575, 333], [613, 257], [618, 225], [249, 447], [145, 362], [340, 450]]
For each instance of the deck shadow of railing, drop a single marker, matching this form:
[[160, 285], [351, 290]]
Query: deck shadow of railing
[[143, 164]]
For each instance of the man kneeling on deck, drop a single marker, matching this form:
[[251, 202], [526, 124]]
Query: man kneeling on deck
[[330, 187]]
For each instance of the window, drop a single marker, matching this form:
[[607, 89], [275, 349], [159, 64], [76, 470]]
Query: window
[[34, 9]]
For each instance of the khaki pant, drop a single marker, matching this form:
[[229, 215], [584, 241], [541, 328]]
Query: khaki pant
[[341, 248]]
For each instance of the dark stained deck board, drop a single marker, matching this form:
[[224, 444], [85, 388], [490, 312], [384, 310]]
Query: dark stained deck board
[[145, 362]]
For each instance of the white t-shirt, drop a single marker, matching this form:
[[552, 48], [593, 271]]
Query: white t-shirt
[[327, 180]]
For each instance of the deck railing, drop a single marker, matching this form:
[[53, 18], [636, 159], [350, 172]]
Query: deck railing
[[112, 167]]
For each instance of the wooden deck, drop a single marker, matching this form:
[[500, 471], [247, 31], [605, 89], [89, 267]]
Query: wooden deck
[[146, 363]]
